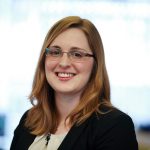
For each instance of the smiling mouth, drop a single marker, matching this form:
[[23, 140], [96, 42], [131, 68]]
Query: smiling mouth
[[65, 74]]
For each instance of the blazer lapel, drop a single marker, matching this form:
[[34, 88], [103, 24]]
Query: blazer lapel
[[72, 136]]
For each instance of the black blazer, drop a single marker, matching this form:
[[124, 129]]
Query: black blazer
[[111, 131]]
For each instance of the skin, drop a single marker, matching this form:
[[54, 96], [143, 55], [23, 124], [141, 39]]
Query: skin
[[68, 89]]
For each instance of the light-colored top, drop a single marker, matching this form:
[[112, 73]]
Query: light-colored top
[[53, 144]]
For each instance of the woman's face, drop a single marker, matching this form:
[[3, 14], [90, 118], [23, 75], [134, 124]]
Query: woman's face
[[65, 75]]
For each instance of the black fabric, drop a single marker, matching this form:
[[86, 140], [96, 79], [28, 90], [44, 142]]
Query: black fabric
[[110, 131], [22, 138]]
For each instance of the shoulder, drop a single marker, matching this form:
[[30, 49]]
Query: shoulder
[[21, 126], [22, 137], [23, 118], [112, 118], [114, 129], [21, 122]]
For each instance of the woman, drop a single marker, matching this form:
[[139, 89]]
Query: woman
[[71, 88]]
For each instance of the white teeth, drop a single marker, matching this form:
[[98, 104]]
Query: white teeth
[[65, 75]]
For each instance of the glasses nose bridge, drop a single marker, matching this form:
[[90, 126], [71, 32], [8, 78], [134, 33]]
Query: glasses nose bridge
[[67, 53], [65, 60]]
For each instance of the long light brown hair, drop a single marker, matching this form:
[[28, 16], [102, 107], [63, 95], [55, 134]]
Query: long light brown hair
[[43, 117]]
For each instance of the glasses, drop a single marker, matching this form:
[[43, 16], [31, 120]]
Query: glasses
[[75, 54]]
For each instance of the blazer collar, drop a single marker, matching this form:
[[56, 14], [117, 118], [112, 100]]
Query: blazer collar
[[72, 136]]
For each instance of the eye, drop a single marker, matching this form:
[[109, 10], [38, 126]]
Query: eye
[[77, 54], [55, 52]]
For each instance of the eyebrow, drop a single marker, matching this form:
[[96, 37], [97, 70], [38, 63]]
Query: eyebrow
[[55, 46], [73, 47]]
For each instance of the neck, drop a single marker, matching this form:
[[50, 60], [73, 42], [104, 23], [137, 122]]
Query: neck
[[65, 104]]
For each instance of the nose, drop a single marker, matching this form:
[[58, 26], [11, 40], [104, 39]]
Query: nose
[[64, 60]]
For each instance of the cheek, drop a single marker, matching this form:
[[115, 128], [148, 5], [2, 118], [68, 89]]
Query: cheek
[[86, 68], [49, 69], [49, 65], [89, 66]]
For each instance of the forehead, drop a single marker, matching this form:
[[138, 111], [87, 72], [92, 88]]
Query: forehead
[[72, 37]]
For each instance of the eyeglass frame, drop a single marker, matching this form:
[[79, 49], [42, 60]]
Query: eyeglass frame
[[68, 54]]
